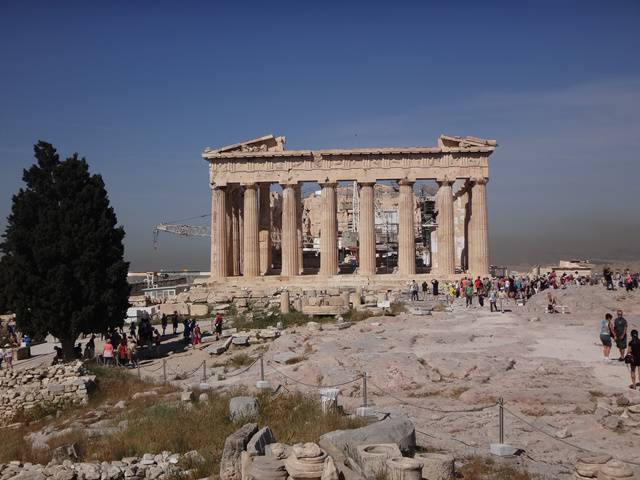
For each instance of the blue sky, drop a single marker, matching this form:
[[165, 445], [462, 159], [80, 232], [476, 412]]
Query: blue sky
[[140, 88]]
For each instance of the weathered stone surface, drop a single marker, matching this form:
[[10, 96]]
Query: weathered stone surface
[[306, 462], [198, 310], [284, 357], [437, 466], [53, 386], [398, 430], [243, 408], [259, 441], [64, 452], [403, 468], [267, 468], [234, 445], [372, 458]]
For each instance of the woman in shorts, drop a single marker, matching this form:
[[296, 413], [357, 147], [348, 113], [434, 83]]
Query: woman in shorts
[[634, 354], [606, 332]]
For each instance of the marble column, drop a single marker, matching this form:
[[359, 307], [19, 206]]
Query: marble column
[[251, 257], [478, 247], [329, 230], [289, 240], [236, 245], [446, 247], [299, 209], [229, 228], [265, 228], [406, 232], [219, 232], [367, 230]]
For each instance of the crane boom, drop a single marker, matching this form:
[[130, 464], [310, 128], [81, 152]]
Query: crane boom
[[181, 230]]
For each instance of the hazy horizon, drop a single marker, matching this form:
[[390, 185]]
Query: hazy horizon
[[141, 89]]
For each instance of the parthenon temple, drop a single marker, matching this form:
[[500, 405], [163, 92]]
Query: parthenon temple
[[263, 227]]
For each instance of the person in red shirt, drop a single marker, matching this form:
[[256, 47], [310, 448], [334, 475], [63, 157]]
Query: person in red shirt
[[122, 352]]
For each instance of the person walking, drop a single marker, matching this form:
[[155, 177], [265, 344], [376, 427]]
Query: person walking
[[620, 334], [493, 300], [633, 357], [434, 287], [175, 323], [8, 356], [107, 353], [122, 353], [606, 332], [468, 294], [413, 290], [425, 289], [164, 323], [218, 325], [186, 334]]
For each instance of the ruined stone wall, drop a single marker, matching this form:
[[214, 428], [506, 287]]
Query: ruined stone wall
[[55, 386]]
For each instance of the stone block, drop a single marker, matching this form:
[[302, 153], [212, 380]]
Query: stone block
[[234, 445], [398, 430], [198, 296], [240, 340], [372, 458], [502, 450], [244, 407], [170, 308], [259, 441], [325, 310], [199, 310], [437, 466]]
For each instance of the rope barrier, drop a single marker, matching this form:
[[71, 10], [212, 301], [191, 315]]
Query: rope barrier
[[358, 378], [235, 374], [553, 437], [449, 438], [432, 409]]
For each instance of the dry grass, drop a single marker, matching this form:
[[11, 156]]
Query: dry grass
[[204, 427], [354, 315], [483, 468], [113, 384], [154, 425]]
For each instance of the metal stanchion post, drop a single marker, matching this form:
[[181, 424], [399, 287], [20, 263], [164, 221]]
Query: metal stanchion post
[[204, 371], [139, 373], [364, 389], [501, 449], [365, 410], [262, 384], [501, 419]]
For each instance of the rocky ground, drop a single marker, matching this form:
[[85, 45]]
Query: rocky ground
[[448, 370]]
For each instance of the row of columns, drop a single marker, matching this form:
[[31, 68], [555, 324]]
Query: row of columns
[[245, 246]]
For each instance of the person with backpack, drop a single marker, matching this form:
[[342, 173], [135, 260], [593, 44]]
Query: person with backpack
[[468, 294], [633, 359]]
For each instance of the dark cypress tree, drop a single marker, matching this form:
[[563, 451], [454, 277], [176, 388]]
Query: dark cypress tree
[[62, 264]]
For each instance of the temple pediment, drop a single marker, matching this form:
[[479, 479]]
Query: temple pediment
[[268, 143], [453, 141]]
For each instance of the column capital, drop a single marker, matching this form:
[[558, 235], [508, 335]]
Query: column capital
[[366, 184], [445, 182], [250, 185], [328, 184], [406, 181], [480, 180], [288, 183]]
